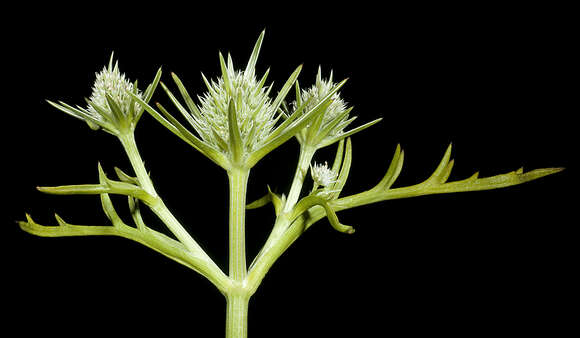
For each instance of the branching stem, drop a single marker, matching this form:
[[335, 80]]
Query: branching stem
[[158, 207]]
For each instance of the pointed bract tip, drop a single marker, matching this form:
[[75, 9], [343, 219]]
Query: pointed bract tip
[[111, 59]]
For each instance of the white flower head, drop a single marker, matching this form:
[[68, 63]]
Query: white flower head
[[335, 118], [255, 113], [318, 91], [110, 81], [322, 175]]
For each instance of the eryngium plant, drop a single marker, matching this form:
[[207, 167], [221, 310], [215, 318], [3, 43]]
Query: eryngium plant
[[235, 124]]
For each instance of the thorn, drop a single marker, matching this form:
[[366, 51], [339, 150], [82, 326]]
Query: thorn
[[474, 177], [59, 220]]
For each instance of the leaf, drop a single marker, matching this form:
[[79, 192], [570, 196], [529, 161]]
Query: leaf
[[338, 157], [80, 114], [436, 183], [291, 126], [298, 94], [176, 128], [136, 213], [131, 112], [236, 142], [198, 144], [116, 110], [60, 221], [79, 189], [107, 186], [494, 182], [276, 201], [262, 201], [330, 127], [251, 66], [152, 87], [286, 88], [309, 201], [186, 97], [104, 113], [225, 76], [344, 170], [262, 82], [394, 170], [126, 178], [350, 133], [440, 171], [181, 109], [110, 211]]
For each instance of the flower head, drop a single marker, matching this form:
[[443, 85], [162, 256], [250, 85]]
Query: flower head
[[332, 121], [322, 174], [236, 120], [110, 81], [313, 95], [255, 112], [113, 105]]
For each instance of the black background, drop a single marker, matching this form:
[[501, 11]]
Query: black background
[[498, 82]]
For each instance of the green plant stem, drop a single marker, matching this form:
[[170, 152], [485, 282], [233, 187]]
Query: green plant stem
[[130, 146], [237, 296], [306, 154], [158, 207], [238, 180], [237, 316], [281, 223], [150, 238]]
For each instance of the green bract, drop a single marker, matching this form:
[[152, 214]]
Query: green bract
[[235, 124]]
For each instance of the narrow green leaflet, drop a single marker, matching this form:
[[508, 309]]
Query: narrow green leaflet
[[310, 201], [236, 143]]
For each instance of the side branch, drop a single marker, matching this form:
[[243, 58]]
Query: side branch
[[148, 237], [436, 184]]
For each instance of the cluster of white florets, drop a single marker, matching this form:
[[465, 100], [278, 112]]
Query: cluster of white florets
[[254, 110], [110, 81], [322, 175], [315, 94]]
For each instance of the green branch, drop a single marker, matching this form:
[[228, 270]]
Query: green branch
[[148, 237]]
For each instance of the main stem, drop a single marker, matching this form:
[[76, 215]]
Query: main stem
[[238, 179], [237, 297], [237, 316]]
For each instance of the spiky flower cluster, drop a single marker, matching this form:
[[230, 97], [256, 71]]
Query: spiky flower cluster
[[322, 174], [110, 81], [313, 95], [256, 115], [337, 109]]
